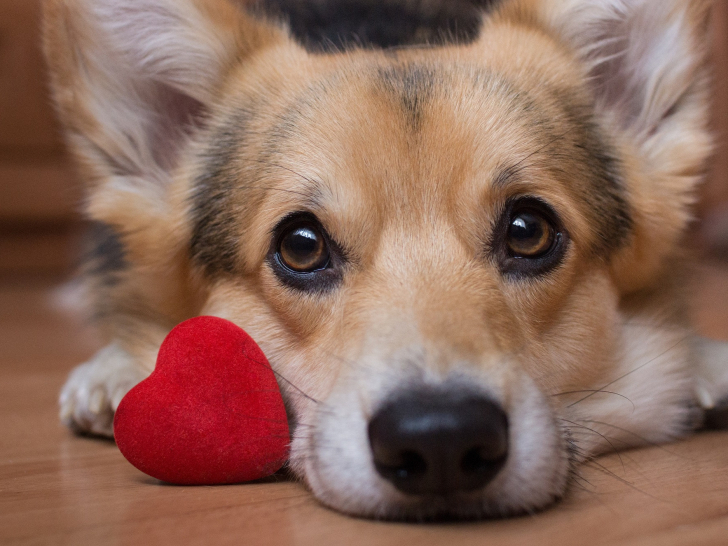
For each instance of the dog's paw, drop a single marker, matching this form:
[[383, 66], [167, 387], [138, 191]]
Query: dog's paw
[[711, 383], [94, 390]]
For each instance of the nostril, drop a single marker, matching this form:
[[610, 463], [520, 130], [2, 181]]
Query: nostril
[[481, 460], [408, 466]]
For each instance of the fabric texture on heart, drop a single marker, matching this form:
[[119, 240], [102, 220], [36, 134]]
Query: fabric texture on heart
[[210, 413]]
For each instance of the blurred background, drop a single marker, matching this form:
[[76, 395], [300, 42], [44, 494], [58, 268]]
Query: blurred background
[[40, 226]]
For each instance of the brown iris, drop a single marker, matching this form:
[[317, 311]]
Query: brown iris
[[530, 235], [303, 249]]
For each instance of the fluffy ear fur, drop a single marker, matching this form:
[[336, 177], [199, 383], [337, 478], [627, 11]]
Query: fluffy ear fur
[[644, 56], [132, 80], [646, 61]]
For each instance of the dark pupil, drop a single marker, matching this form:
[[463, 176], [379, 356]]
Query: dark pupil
[[302, 249], [529, 235]]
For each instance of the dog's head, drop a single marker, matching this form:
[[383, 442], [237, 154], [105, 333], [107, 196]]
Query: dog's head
[[433, 245]]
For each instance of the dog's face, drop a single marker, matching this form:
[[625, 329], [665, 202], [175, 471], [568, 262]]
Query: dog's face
[[418, 224], [433, 246]]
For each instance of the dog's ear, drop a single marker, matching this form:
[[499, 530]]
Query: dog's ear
[[646, 58], [132, 81], [646, 62]]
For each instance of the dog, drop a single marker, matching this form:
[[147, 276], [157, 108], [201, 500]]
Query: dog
[[462, 249]]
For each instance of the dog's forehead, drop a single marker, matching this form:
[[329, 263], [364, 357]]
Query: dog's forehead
[[438, 136], [405, 134]]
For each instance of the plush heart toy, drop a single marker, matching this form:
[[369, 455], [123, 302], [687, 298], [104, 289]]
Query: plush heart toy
[[210, 413]]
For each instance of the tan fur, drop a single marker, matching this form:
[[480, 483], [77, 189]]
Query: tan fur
[[413, 208]]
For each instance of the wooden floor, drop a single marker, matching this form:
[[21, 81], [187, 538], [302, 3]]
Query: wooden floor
[[59, 489]]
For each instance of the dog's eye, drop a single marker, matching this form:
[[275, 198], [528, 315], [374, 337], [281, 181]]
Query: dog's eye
[[530, 239], [530, 235], [303, 256], [303, 249]]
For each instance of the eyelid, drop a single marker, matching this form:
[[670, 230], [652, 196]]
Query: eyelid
[[292, 217]]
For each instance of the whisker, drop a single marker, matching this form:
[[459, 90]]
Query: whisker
[[287, 382], [271, 188], [542, 148], [629, 373], [577, 475], [614, 448], [296, 388], [283, 167], [629, 484], [639, 437], [596, 391]]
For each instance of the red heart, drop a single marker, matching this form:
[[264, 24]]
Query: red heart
[[210, 413]]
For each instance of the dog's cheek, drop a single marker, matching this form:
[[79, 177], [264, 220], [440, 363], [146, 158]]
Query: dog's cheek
[[578, 346]]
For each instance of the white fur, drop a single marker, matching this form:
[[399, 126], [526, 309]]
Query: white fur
[[648, 397], [653, 380], [151, 61], [167, 41], [94, 390]]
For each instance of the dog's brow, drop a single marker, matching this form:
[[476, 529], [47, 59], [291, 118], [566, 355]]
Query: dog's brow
[[506, 176], [312, 192], [314, 196], [509, 175]]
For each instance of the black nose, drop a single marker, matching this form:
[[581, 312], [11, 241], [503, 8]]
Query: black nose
[[439, 443]]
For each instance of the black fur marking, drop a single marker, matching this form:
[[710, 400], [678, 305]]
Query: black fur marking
[[106, 257], [323, 25], [413, 85], [214, 242], [609, 198], [601, 166]]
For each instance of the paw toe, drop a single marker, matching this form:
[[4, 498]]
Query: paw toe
[[94, 390]]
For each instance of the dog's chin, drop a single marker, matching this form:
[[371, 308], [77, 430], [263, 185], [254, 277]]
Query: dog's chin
[[334, 459]]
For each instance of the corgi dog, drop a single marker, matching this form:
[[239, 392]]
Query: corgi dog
[[466, 257]]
